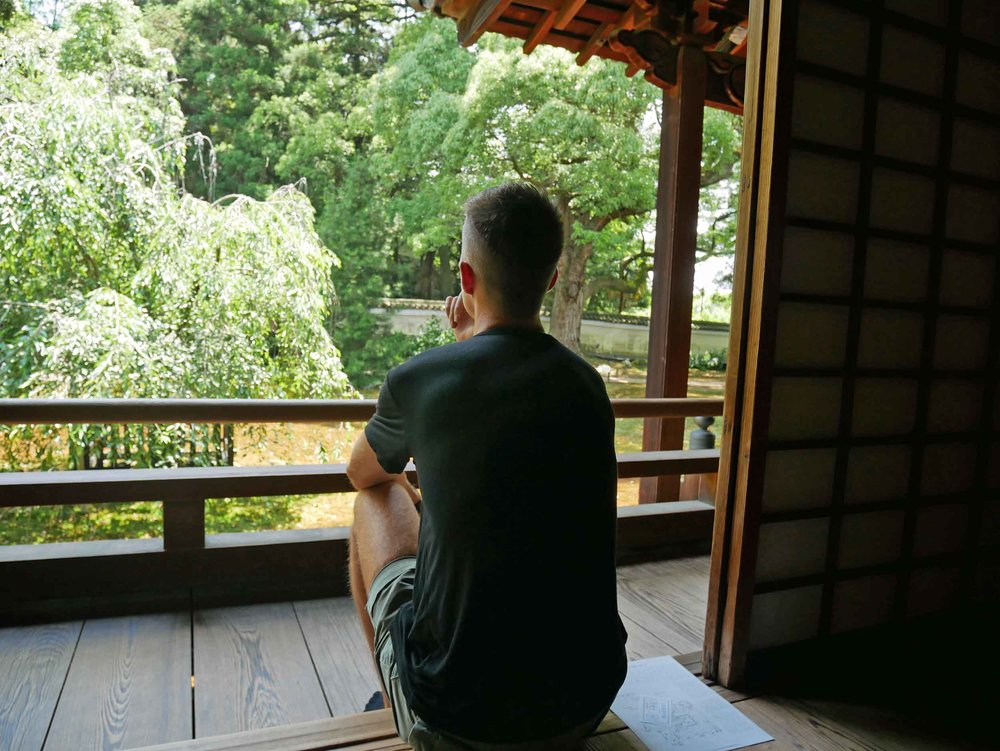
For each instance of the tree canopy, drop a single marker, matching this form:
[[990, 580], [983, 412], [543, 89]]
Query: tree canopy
[[114, 281]]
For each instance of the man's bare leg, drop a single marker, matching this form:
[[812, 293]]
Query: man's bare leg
[[386, 525]]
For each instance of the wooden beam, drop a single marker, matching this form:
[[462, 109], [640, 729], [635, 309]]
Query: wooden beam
[[656, 463], [189, 485], [167, 411], [677, 197], [478, 19], [566, 13], [108, 577], [538, 33], [595, 13], [756, 293], [594, 43], [667, 407], [184, 524]]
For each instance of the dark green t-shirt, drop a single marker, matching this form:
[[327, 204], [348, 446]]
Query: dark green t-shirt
[[513, 632]]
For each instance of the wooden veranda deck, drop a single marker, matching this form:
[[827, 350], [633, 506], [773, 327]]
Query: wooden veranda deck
[[118, 683], [126, 682]]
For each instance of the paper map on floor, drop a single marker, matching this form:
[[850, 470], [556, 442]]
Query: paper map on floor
[[668, 708]]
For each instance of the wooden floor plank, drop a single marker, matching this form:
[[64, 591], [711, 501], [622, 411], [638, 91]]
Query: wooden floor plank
[[835, 726], [673, 611], [374, 729], [129, 685], [34, 661], [252, 670], [641, 643], [890, 730], [339, 651]]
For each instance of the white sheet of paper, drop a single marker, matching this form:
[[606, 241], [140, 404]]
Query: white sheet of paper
[[670, 709]]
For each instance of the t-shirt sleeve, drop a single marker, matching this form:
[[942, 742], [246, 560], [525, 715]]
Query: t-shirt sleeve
[[386, 433]]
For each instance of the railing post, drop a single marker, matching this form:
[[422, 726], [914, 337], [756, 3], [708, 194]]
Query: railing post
[[184, 523], [702, 437]]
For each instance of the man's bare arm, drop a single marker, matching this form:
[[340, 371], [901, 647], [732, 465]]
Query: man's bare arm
[[364, 471]]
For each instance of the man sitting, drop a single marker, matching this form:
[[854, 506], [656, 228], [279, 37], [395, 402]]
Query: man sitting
[[492, 614]]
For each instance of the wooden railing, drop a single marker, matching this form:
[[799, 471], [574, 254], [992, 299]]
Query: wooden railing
[[255, 565]]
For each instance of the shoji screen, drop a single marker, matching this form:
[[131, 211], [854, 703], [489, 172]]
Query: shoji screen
[[882, 470]]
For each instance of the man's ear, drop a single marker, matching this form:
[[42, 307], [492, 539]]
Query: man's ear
[[468, 277], [552, 282]]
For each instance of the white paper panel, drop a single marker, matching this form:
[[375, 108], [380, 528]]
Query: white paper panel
[[867, 539], [975, 148], [967, 278], [877, 473], [847, 49], [912, 61], [890, 339], [954, 406], [827, 112], [884, 406], [933, 589], [902, 201], [816, 263], [821, 187], [859, 603], [811, 335], [973, 215], [784, 617], [948, 468], [896, 271], [961, 343], [796, 548], [981, 20], [940, 529], [978, 82], [805, 408], [798, 479], [908, 132], [931, 11]]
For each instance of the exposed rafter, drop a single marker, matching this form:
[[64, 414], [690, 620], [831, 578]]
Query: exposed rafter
[[645, 35]]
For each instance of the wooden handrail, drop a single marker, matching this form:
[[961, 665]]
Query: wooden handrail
[[167, 411], [185, 485]]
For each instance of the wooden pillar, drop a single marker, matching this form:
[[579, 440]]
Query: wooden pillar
[[677, 195]]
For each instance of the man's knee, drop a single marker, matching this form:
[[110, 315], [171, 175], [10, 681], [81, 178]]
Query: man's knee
[[379, 502]]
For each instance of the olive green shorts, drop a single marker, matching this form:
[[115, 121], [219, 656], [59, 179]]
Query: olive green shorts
[[390, 590]]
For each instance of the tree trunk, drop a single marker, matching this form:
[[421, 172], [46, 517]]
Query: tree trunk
[[425, 277], [570, 294], [446, 282]]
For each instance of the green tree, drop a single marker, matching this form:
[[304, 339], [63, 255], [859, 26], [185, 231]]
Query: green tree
[[576, 133], [113, 281]]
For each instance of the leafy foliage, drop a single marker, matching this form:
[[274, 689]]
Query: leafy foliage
[[714, 359], [116, 283]]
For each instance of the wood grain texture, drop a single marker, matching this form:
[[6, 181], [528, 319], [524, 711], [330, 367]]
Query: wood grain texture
[[252, 670], [759, 242], [153, 411], [339, 651], [675, 243], [357, 731], [33, 665], [129, 685], [668, 600], [837, 726]]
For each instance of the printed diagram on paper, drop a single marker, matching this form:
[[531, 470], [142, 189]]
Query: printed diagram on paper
[[668, 708]]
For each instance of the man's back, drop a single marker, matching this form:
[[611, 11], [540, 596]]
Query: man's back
[[513, 632]]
